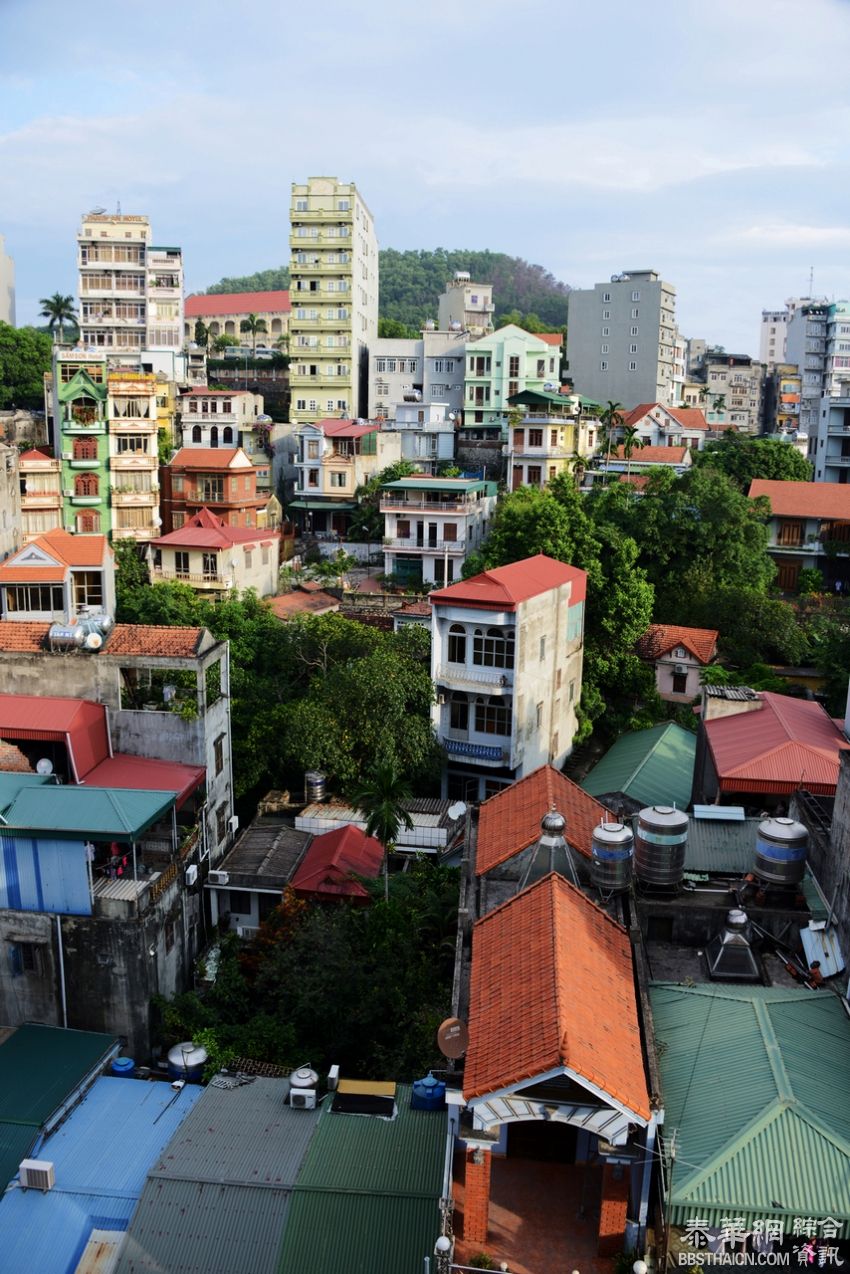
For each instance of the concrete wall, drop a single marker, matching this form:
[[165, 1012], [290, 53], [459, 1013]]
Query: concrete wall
[[600, 331], [10, 502], [7, 286], [829, 849]]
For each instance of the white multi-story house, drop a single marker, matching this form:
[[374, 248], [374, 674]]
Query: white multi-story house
[[41, 493], [735, 388], [334, 298], [130, 290], [427, 433], [395, 372], [214, 558], [503, 364], [507, 649], [335, 457], [660, 426], [431, 525], [229, 418]]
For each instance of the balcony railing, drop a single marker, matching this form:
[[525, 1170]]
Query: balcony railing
[[409, 544], [133, 460], [391, 504], [134, 497], [492, 678], [475, 751], [40, 499], [203, 579]]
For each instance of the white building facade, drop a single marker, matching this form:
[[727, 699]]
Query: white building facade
[[7, 286], [431, 525], [507, 649]]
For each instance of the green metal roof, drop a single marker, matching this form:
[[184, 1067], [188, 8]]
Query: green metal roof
[[334, 506], [366, 1198], [727, 848], [435, 484], [654, 766], [41, 1068], [68, 813], [753, 1083], [12, 783]]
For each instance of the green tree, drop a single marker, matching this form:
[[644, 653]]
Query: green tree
[[743, 458], [610, 420], [367, 521], [25, 356], [254, 326], [632, 442], [222, 343], [381, 798], [394, 330], [753, 627], [58, 310], [275, 280], [202, 334]]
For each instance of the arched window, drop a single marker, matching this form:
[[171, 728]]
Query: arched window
[[277, 327], [493, 648], [215, 329], [88, 523], [457, 644], [227, 436], [85, 448], [86, 484], [196, 433], [493, 716], [214, 436], [229, 329], [458, 711]]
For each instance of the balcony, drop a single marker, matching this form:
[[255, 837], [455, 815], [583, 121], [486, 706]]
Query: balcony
[[393, 504], [84, 464], [41, 500], [94, 428], [216, 583], [319, 241], [133, 460], [305, 268], [134, 499], [330, 215], [132, 424], [86, 500], [494, 680], [487, 753], [409, 544]]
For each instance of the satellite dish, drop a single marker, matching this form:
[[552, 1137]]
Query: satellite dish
[[453, 1037], [44, 766]]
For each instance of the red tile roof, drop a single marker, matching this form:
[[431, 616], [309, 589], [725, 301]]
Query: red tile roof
[[687, 417], [237, 303], [638, 480], [781, 746], [506, 586], [661, 638], [210, 458], [206, 531], [510, 821], [415, 608], [79, 723], [33, 456], [804, 499], [125, 639], [345, 428], [653, 455], [333, 860], [302, 602], [64, 548], [551, 338], [569, 1001]]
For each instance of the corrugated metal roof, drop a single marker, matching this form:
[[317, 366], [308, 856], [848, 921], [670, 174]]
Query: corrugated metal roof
[[377, 1156], [72, 812], [652, 766], [784, 744], [750, 1078], [79, 722], [40, 1066], [16, 1142], [244, 1134], [100, 1154], [358, 1234], [205, 1227]]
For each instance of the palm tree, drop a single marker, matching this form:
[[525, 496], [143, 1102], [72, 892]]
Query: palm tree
[[282, 343], [632, 441], [253, 325], [611, 418], [381, 798], [59, 310]]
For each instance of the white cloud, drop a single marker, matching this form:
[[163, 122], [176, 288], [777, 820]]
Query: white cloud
[[791, 235]]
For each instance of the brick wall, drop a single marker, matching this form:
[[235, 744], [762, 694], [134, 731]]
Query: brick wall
[[614, 1210], [476, 1200]]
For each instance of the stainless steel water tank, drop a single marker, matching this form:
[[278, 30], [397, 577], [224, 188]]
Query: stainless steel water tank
[[315, 786], [611, 857], [660, 844], [781, 851]]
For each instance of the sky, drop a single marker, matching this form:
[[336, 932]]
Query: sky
[[707, 141]]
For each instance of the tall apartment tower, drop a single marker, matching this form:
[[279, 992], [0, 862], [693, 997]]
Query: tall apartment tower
[[621, 339], [334, 295], [806, 347], [130, 290], [7, 286]]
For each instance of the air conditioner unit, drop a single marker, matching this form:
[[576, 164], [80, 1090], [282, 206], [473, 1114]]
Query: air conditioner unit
[[680, 669], [67, 455], [38, 1174], [302, 1098], [219, 878], [192, 874], [67, 492], [233, 825]]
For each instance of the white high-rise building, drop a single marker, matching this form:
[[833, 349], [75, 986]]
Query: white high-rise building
[[621, 339], [130, 290], [7, 286], [334, 296]]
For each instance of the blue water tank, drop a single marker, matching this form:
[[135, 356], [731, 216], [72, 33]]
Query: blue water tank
[[124, 1066], [428, 1094]]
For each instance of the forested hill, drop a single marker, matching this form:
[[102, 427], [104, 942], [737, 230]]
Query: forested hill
[[411, 282]]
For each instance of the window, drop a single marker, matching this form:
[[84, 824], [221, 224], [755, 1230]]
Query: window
[[458, 711], [513, 365], [88, 588], [457, 642], [603, 366], [221, 824], [635, 296], [606, 314], [633, 349], [493, 716], [338, 479], [633, 366], [535, 475], [553, 437], [134, 443], [169, 935], [24, 957], [539, 716], [210, 567], [542, 654], [240, 902], [680, 683], [493, 648], [86, 484], [605, 349], [633, 331], [33, 597], [211, 489], [634, 313], [606, 296], [535, 437], [181, 563], [541, 368], [312, 477], [196, 433], [606, 331], [218, 748], [85, 449]]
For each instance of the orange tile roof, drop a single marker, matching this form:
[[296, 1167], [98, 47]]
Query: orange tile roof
[[33, 456], [804, 499], [551, 338], [210, 458], [510, 821], [568, 1002], [638, 480], [506, 586], [144, 639], [32, 574], [661, 638], [303, 603], [687, 417], [654, 455], [65, 548], [237, 303], [22, 637]]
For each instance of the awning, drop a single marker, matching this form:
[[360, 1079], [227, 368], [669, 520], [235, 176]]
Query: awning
[[332, 506]]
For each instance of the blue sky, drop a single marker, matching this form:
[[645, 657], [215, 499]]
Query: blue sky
[[709, 141]]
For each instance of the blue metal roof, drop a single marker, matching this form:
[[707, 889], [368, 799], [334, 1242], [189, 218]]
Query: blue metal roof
[[101, 1156]]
